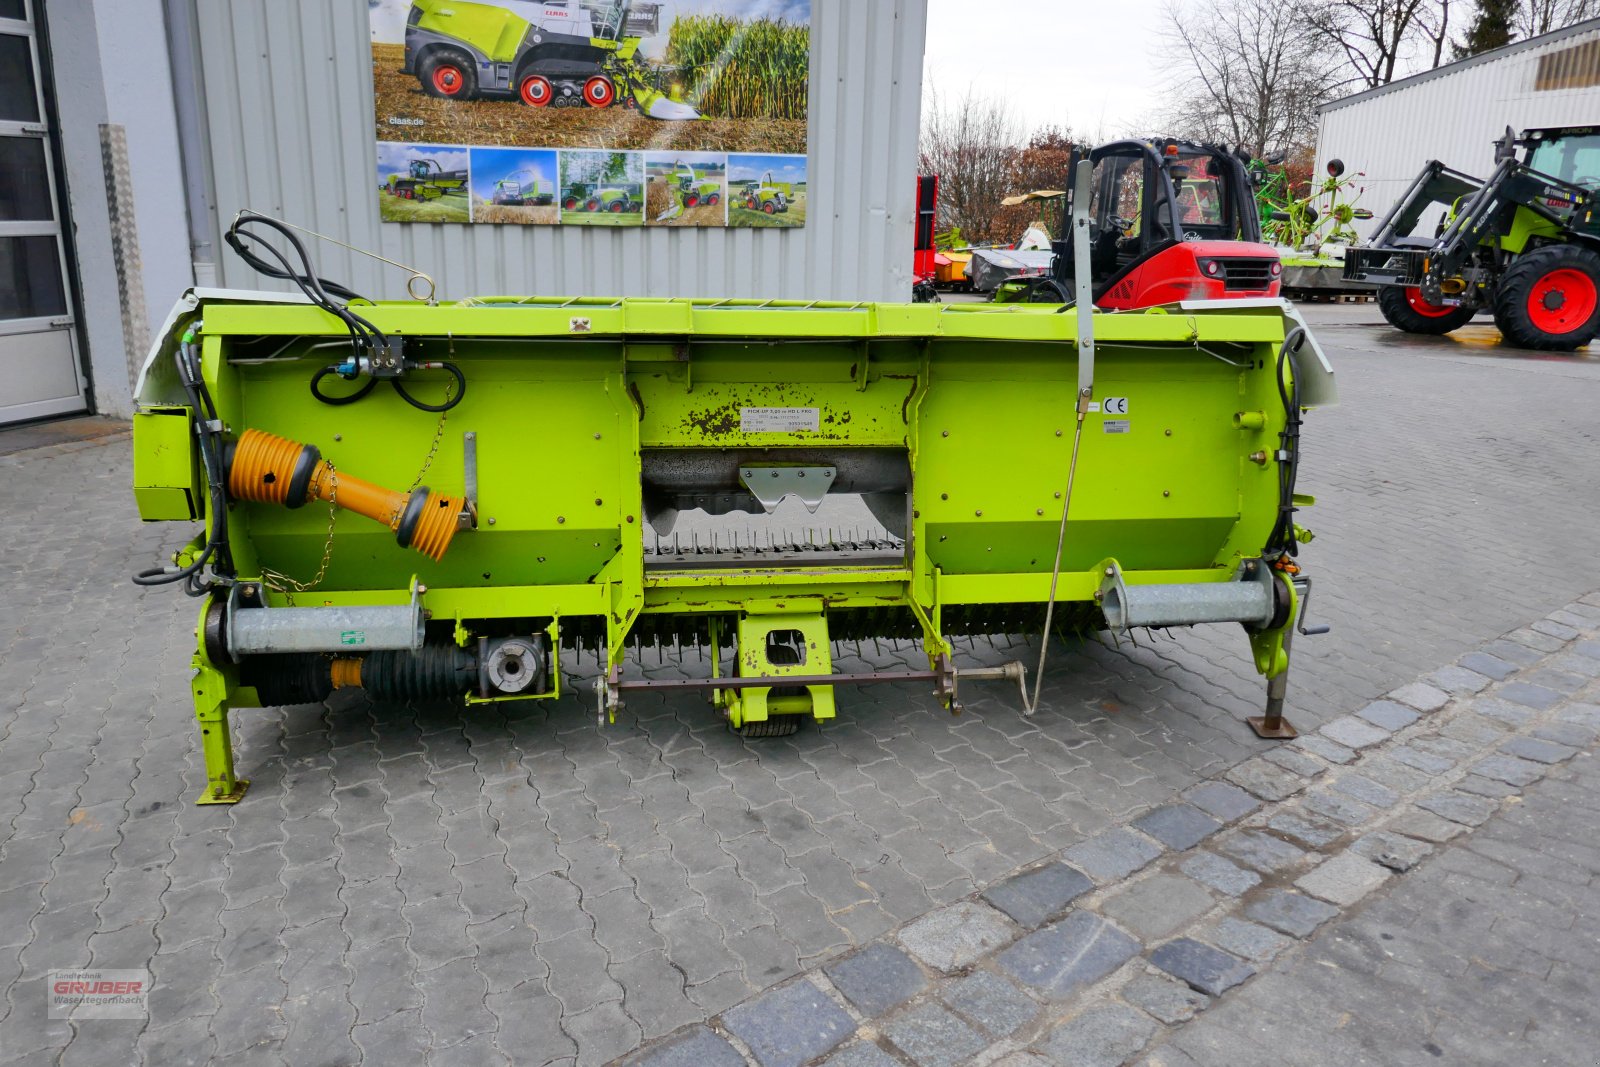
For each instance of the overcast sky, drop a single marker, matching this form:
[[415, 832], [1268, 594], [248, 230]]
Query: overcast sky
[[1091, 64]]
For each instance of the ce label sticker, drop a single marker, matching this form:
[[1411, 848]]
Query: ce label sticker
[[1114, 405]]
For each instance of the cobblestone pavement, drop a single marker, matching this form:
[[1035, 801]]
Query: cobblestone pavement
[[1116, 943], [411, 883]]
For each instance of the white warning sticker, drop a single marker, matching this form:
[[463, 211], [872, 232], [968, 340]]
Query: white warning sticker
[[1114, 405], [1118, 426], [780, 420]]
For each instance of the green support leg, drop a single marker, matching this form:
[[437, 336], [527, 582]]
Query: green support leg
[[211, 709]]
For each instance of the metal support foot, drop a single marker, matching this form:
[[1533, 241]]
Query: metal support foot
[[216, 743], [1273, 726]]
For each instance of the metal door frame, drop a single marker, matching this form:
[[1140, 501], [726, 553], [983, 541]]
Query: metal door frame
[[45, 131]]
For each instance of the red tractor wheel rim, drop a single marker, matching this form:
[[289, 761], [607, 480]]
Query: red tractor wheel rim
[[599, 92], [448, 79], [769, 207], [593, 205], [712, 199], [536, 91], [691, 201], [1420, 305], [1562, 301], [616, 207], [569, 204]]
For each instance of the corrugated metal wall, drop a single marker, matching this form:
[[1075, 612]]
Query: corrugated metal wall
[[1454, 116], [288, 113]]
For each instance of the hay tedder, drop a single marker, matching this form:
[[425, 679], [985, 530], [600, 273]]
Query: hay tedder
[[1032, 469]]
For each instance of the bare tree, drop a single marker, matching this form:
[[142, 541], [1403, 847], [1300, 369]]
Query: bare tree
[[1541, 16], [1434, 25], [1374, 35], [1252, 72], [972, 143]]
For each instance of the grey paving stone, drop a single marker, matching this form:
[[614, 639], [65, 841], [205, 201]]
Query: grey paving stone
[[1266, 779], [1296, 760], [1422, 761], [1426, 826], [1263, 852], [1343, 879], [994, 1002], [1535, 640], [1167, 1056], [697, 1047], [877, 979], [1035, 897], [1529, 695], [934, 1037], [859, 1054], [1339, 808], [1210, 869], [1168, 1001], [1388, 715], [1559, 631], [789, 1025], [1250, 940], [1509, 769], [1590, 648], [1101, 1037], [1352, 732], [1328, 749], [1566, 733], [1290, 913], [1487, 787], [1553, 677], [1458, 680], [1497, 711], [1210, 970], [1458, 807], [1113, 855], [955, 936], [1487, 665], [1068, 955], [1222, 800], [1512, 652], [1531, 748], [1308, 831], [1392, 850], [1178, 826], [1366, 790], [1421, 696], [1158, 905]]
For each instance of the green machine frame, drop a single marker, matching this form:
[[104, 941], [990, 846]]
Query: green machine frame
[[1170, 460]]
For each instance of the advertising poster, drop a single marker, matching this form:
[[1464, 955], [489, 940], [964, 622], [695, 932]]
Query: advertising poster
[[673, 113]]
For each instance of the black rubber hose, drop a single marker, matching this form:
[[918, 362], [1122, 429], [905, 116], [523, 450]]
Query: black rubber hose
[[432, 672], [461, 391], [371, 384]]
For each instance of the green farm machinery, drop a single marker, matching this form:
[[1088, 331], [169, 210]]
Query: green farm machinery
[[690, 189], [523, 189], [425, 179], [617, 199], [561, 53], [1525, 244], [1034, 469], [768, 196]]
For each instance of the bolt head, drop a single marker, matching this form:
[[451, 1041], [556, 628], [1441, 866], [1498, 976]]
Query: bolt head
[[491, 522]]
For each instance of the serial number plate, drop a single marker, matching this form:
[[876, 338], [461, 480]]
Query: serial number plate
[[780, 420]]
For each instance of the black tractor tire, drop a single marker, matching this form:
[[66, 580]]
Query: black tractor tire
[[430, 72], [1397, 306], [1549, 299]]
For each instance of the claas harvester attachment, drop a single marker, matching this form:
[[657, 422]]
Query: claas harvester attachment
[[440, 500]]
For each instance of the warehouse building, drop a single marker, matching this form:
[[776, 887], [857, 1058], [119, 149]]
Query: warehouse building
[[1454, 113], [135, 130]]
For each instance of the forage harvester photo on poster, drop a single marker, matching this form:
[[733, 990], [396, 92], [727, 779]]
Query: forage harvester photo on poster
[[694, 83]]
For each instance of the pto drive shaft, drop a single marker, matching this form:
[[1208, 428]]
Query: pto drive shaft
[[269, 469]]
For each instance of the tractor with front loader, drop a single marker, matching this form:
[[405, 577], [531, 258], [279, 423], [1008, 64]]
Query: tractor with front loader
[[425, 179], [1166, 221], [1523, 244], [559, 53]]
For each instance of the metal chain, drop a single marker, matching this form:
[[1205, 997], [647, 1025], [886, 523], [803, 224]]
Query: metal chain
[[438, 435], [282, 583]]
